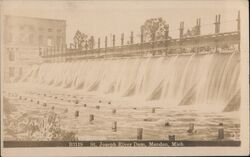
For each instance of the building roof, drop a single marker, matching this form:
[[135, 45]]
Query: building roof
[[34, 18]]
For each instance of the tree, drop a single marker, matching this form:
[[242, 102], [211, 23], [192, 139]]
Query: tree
[[154, 29], [80, 39]]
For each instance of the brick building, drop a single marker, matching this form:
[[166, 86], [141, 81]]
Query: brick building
[[26, 39]]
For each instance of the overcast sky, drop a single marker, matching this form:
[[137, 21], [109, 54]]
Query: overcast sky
[[101, 18]]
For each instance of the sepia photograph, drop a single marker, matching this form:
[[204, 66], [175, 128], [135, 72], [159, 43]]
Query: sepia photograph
[[142, 77]]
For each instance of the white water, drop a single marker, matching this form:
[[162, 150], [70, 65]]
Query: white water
[[197, 80]]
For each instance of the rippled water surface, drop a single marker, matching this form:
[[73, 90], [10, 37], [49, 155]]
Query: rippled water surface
[[129, 116]]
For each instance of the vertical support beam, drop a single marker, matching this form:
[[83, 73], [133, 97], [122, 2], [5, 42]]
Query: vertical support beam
[[54, 49], [181, 35], [238, 21], [92, 43], [198, 27], [122, 39], [217, 28], [106, 42], [99, 43], [113, 40], [238, 28], [142, 34], [217, 23], [142, 39], [181, 29], [54, 55], [132, 38], [167, 32], [51, 50], [86, 45]]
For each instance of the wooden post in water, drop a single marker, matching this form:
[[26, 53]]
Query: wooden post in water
[[76, 101], [139, 133], [76, 114], [114, 111], [153, 110], [114, 126], [91, 118], [171, 137], [221, 134], [167, 124], [191, 128]]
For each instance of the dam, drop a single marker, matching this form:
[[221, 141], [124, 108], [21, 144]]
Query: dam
[[187, 87], [198, 79]]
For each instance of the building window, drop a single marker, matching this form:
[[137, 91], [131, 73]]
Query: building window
[[49, 29], [58, 41], [31, 38], [22, 38], [40, 51], [11, 71], [40, 39], [50, 41], [40, 29], [11, 55], [9, 37]]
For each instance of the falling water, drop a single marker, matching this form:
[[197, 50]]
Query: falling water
[[197, 80]]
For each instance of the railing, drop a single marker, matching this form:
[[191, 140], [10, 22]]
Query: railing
[[184, 44]]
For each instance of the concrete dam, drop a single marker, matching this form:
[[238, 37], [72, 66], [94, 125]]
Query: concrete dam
[[177, 80]]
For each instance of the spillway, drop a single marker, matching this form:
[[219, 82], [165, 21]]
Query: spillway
[[201, 80]]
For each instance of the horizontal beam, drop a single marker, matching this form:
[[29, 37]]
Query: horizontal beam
[[193, 41]]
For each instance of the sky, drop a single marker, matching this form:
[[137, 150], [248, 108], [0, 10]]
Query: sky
[[101, 18]]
